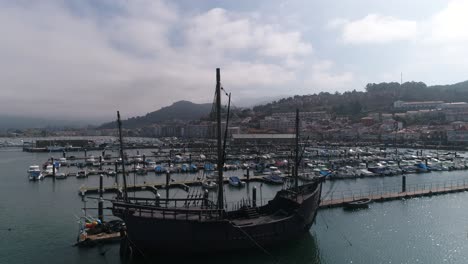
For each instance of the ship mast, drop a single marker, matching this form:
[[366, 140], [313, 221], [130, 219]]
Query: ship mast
[[119, 123], [296, 158], [218, 135]]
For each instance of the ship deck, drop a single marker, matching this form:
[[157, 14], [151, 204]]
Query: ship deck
[[238, 221], [199, 213], [262, 219]]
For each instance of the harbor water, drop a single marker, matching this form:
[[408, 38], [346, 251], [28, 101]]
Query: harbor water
[[38, 222]]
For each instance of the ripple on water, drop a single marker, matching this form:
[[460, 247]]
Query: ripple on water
[[424, 230]]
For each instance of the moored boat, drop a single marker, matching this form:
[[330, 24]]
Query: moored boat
[[140, 170], [159, 169], [111, 172], [63, 161], [210, 185], [236, 182], [60, 175], [360, 203], [82, 174], [34, 173], [275, 179], [49, 170], [90, 160]]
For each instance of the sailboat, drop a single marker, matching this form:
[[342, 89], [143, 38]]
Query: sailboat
[[197, 224]]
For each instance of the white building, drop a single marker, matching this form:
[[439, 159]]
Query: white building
[[417, 105]]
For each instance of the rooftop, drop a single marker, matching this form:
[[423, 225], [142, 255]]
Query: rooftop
[[263, 136]]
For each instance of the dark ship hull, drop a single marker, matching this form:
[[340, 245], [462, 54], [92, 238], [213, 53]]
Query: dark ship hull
[[283, 218]]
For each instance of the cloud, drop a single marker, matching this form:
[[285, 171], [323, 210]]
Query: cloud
[[219, 30], [323, 78], [137, 56], [336, 23], [433, 45], [439, 52], [449, 25], [246, 73], [444, 27], [375, 28]]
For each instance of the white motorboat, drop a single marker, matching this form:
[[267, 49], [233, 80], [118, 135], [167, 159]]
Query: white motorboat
[[34, 173], [60, 175], [63, 161], [49, 170], [151, 165], [110, 172], [90, 160], [365, 173], [138, 159]]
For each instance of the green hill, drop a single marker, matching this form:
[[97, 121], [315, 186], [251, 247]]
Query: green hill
[[181, 110], [375, 98]]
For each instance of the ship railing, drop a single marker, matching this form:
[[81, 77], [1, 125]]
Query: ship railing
[[201, 213], [173, 202], [396, 190], [237, 205]]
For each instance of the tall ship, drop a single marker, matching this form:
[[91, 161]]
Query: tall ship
[[198, 224]]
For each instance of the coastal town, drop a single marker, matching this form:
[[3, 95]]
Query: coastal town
[[434, 123]]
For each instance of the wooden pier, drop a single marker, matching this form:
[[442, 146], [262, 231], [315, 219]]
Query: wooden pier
[[101, 238], [426, 190]]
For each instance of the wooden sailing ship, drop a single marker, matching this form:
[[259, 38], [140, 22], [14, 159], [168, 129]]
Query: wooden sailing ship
[[194, 225]]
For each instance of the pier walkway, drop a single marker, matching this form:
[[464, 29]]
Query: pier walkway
[[329, 199], [387, 194]]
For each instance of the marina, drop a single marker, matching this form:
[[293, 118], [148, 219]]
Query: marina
[[298, 180], [334, 165], [420, 215]]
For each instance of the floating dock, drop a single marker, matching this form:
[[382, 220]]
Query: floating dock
[[101, 238], [388, 196]]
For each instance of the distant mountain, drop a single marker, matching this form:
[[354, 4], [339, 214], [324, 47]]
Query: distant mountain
[[181, 110], [461, 86], [254, 101], [23, 122]]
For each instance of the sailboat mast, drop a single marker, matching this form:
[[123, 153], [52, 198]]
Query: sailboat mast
[[218, 135], [119, 123], [296, 158]]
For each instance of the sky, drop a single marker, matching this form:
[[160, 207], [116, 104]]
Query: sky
[[85, 59]]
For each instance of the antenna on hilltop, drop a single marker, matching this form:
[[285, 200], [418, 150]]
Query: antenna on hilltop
[[401, 78]]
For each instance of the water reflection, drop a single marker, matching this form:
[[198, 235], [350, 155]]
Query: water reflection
[[303, 251]]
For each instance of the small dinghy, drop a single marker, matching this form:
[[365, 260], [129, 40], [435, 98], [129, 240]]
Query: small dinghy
[[209, 185], [360, 203], [60, 175]]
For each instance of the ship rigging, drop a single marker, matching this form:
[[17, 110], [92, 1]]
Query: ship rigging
[[197, 224]]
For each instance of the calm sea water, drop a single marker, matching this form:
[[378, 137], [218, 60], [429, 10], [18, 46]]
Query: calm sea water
[[38, 223]]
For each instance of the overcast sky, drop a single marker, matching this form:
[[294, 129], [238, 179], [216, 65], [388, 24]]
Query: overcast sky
[[89, 58]]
